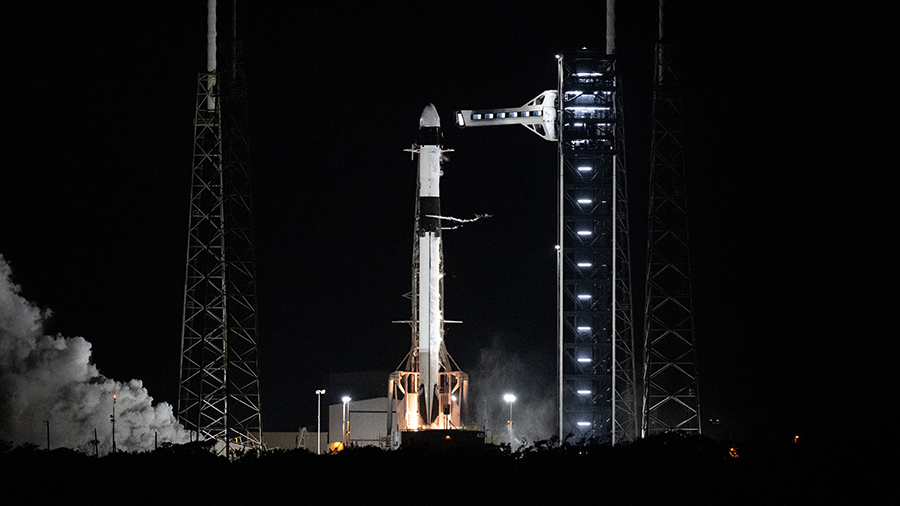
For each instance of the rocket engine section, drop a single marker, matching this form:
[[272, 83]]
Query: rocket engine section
[[428, 394]]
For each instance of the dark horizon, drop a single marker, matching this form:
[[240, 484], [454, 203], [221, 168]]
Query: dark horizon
[[780, 136]]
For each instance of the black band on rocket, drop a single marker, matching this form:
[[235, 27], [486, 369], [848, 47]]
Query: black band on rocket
[[428, 207], [429, 136]]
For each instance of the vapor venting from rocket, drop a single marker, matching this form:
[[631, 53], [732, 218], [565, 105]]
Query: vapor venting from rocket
[[461, 221], [51, 379]]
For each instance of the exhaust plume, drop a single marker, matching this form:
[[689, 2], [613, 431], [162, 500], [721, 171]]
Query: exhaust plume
[[51, 378]]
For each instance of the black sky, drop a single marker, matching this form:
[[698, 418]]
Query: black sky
[[784, 135]]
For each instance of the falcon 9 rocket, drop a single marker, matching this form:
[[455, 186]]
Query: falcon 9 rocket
[[427, 393]]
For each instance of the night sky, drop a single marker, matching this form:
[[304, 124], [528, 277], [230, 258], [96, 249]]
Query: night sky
[[787, 214]]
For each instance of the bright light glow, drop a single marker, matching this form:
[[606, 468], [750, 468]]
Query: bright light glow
[[584, 201], [584, 392], [584, 424], [579, 124], [509, 398], [582, 359], [459, 119], [587, 108], [584, 232], [584, 264], [584, 169], [345, 398], [584, 296], [584, 329]]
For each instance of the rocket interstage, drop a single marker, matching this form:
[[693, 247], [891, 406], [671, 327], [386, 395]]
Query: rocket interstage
[[428, 394]]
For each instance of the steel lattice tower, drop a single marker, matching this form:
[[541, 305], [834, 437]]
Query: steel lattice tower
[[671, 399], [596, 357], [219, 384]]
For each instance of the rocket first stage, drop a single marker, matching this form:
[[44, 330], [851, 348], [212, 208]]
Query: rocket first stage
[[427, 393], [430, 276]]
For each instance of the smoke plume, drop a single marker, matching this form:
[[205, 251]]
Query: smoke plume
[[51, 379], [505, 368]]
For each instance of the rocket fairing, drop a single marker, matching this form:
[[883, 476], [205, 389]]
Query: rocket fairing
[[430, 325]]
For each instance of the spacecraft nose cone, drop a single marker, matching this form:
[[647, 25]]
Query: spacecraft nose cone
[[429, 117]]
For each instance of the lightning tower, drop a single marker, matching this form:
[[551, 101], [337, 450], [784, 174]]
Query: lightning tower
[[671, 400], [219, 382]]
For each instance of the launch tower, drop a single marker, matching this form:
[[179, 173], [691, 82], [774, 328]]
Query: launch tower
[[595, 336], [219, 383], [595, 354]]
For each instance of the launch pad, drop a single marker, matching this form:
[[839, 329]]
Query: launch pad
[[441, 439]]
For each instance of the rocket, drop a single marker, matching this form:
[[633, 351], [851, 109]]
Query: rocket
[[427, 393], [430, 310]]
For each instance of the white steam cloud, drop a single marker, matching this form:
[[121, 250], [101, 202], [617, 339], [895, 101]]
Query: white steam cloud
[[50, 378], [503, 368]]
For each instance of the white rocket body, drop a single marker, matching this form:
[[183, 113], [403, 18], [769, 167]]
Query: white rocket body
[[430, 308], [428, 394]]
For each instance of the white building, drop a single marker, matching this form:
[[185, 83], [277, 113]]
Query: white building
[[368, 422]]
